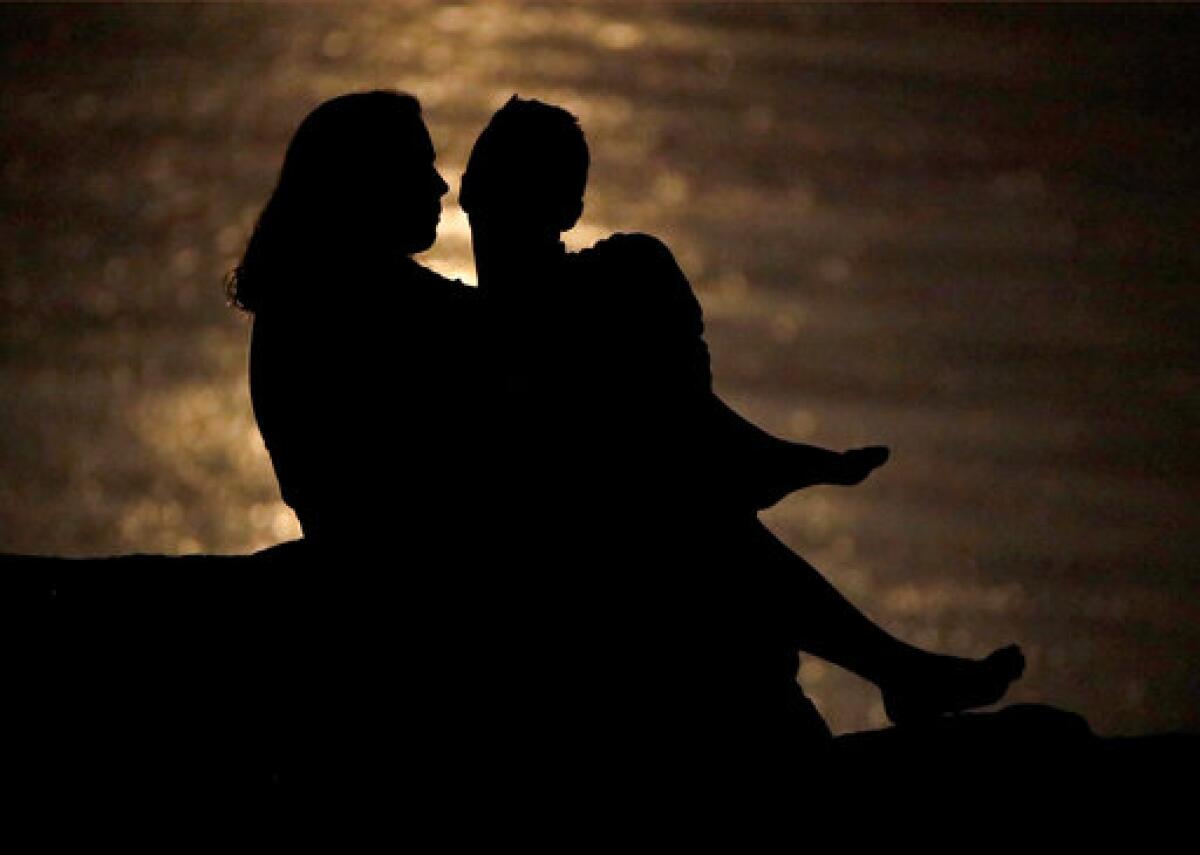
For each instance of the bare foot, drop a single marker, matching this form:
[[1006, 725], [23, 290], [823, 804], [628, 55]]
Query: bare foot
[[932, 685], [855, 465]]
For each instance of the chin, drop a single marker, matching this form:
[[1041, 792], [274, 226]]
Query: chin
[[419, 241], [428, 241]]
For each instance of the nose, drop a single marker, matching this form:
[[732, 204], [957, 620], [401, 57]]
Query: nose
[[440, 183]]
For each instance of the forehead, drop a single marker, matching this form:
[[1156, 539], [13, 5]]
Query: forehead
[[396, 149], [416, 136], [425, 145], [400, 134]]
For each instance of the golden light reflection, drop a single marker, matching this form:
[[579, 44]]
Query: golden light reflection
[[877, 261], [586, 234], [619, 36], [931, 600], [336, 44], [461, 269], [207, 445], [454, 227]]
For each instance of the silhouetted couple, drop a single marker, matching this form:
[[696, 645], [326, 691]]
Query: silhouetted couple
[[529, 521]]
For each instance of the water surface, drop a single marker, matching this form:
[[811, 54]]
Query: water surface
[[966, 233]]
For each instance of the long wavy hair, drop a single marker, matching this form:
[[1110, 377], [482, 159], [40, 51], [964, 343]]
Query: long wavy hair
[[328, 201]]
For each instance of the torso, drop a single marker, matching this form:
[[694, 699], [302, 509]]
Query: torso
[[362, 410]]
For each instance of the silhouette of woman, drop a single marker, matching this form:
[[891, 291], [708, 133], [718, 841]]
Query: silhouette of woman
[[340, 309], [359, 384]]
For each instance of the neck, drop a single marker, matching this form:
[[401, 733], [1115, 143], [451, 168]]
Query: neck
[[504, 258]]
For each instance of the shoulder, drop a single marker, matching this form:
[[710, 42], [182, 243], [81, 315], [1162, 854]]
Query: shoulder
[[631, 250], [644, 268], [433, 282], [434, 298]]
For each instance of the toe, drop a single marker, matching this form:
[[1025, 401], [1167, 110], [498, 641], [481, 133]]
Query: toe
[[1008, 661]]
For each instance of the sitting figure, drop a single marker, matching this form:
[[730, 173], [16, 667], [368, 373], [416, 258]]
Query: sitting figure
[[606, 353]]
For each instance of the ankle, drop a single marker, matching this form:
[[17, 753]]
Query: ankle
[[894, 664]]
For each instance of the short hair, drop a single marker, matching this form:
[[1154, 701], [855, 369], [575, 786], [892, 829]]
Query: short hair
[[531, 155]]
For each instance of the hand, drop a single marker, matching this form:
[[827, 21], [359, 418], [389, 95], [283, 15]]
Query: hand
[[853, 466]]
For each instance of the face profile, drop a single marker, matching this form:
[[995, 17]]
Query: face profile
[[527, 170], [358, 188], [417, 191], [383, 188]]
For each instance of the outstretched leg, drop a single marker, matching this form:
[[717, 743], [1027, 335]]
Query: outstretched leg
[[915, 683]]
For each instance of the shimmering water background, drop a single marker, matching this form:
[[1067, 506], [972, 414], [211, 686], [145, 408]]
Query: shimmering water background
[[968, 233]]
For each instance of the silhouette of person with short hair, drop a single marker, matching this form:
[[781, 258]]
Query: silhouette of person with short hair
[[613, 370]]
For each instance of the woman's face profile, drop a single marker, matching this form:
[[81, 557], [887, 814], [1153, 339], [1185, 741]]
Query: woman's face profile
[[419, 189], [395, 188], [366, 166]]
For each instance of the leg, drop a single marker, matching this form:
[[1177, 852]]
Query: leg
[[820, 621]]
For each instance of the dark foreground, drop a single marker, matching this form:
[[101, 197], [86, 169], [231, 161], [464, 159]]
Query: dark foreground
[[197, 677]]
